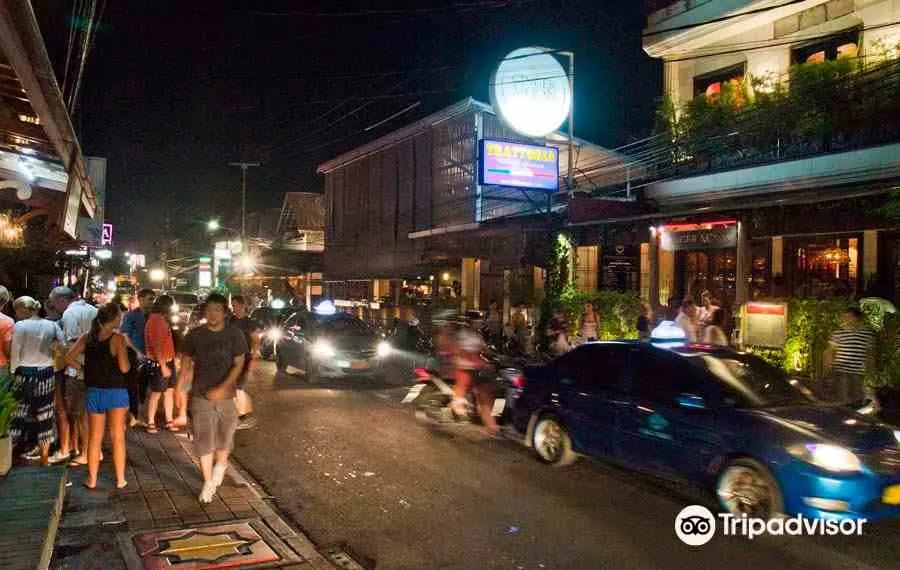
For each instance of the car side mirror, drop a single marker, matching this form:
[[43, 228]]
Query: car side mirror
[[691, 401]]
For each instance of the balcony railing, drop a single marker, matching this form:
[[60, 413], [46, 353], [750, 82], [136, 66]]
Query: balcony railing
[[818, 108]]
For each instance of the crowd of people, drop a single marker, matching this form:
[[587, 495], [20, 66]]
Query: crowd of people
[[80, 373]]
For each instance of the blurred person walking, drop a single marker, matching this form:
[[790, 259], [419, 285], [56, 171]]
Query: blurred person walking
[[590, 326], [31, 358], [251, 330], [133, 324], [847, 357], [106, 364], [76, 316], [7, 324], [212, 361], [713, 332], [687, 320], [160, 351]]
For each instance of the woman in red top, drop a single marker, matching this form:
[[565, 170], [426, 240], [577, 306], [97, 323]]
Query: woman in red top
[[161, 353]]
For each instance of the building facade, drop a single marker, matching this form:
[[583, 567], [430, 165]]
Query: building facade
[[776, 155], [406, 219]]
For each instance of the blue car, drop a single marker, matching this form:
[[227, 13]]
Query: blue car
[[725, 420]]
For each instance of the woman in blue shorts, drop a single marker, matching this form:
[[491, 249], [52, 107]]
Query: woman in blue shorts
[[105, 367]]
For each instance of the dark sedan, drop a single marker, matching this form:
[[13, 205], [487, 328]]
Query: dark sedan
[[724, 420], [270, 320], [330, 346]]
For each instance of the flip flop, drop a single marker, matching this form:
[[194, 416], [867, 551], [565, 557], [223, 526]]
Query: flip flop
[[77, 461], [151, 428]]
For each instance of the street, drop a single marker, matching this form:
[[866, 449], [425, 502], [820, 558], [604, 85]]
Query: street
[[350, 463]]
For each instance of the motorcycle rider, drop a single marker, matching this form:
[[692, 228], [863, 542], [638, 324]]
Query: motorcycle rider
[[468, 363]]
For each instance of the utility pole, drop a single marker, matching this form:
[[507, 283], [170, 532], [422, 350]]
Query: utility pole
[[243, 166]]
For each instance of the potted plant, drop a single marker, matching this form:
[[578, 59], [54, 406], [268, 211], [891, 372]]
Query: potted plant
[[7, 405]]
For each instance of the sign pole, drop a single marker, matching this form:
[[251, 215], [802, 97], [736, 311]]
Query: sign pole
[[570, 178]]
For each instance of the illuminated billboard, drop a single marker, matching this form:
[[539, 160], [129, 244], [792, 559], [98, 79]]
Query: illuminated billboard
[[518, 165]]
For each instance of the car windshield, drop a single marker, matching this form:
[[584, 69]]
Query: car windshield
[[341, 324], [270, 316], [184, 298], [758, 383]]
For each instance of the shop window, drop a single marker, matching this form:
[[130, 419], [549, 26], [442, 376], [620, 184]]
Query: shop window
[[834, 47], [711, 84], [826, 267], [760, 274]]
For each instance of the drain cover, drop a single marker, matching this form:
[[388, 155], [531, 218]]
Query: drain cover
[[344, 558]]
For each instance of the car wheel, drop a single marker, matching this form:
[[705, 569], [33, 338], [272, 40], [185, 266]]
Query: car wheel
[[280, 364], [746, 487], [551, 442]]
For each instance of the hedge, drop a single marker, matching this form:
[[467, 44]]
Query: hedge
[[617, 313]]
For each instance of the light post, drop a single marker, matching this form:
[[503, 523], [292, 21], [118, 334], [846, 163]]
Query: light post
[[243, 166]]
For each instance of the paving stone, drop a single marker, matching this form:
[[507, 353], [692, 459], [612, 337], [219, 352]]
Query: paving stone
[[281, 528], [301, 546]]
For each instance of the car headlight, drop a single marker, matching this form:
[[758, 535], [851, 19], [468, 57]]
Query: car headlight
[[273, 333], [827, 456], [323, 349], [897, 435], [384, 349]]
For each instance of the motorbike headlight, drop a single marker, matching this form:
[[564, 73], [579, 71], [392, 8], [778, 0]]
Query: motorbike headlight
[[384, 349], [323, 349], [274, 333], [827, 456]]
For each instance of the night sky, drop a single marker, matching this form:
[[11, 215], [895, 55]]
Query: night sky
[[175, 90]]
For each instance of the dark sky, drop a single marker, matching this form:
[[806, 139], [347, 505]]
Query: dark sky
[[174, 90]]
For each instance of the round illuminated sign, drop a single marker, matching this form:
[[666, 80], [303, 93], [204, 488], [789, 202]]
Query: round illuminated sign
[[530, 90]]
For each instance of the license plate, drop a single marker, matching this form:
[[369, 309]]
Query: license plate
[[891, 495], [499, 406], [413, 393], [359, 365]]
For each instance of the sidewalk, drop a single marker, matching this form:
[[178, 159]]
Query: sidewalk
[[157, 522]]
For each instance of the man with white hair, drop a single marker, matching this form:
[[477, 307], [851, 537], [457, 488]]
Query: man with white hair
[[77, 316]]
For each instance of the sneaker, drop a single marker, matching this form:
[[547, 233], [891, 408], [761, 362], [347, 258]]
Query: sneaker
[[59, 457], [34, 453], [247, 422], [208, 492], [218, 474]]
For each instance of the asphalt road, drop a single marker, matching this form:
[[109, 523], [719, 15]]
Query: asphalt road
[[350, 463]]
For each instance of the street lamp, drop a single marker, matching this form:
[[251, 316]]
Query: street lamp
[[213, 225]]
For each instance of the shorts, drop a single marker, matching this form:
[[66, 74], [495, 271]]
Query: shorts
[[73, 391], [157, 382], [214, 422], [33, 417], [101, 400]]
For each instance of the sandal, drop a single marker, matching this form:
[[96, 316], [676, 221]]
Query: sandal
[[79, 461], [151, 428], [172, 426]]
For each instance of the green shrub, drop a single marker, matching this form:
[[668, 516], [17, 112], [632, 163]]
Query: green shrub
[[811, 322], [617, 313]]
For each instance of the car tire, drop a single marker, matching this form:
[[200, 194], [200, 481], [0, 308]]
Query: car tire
[[551, 442], [746, 486], [280, 364]]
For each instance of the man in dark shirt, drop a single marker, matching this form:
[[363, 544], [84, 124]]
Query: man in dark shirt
[[251, 330], [212, 361]]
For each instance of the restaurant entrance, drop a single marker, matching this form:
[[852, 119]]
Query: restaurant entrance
[[713, 270]]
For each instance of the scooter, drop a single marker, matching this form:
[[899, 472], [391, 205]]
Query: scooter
[[431, 395]]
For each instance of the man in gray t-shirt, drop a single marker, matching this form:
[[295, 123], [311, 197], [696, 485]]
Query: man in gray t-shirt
[[212, 361]]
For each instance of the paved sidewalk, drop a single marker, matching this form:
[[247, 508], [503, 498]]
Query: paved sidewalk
[[157, 522]]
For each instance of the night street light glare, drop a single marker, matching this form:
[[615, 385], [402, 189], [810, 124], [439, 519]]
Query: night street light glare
[[157, 275], [213, 225]]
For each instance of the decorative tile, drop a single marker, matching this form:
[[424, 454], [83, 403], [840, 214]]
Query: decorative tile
[[229, 545]]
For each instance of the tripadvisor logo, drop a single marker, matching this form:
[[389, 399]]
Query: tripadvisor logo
[[695, 525]]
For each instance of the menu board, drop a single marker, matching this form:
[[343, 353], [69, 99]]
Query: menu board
[[620, 268]]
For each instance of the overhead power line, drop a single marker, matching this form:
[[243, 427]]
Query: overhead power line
[[721, 19]]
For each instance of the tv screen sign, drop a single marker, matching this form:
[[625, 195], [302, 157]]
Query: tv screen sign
[[518, 165]]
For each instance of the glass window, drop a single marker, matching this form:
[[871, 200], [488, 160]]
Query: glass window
[[711, 84], [760, 287], [660, 376], [826, 267], [752, 381], [593, 367], [829, 49], [586, 268]]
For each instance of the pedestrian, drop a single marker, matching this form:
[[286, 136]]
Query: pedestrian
[[713, 334], [133, 324], [643, 322], [520, 327], [708, 306], [76, 316], [251, 330], [212, 361], [687, 320], [494, 319], [558, 332], [7, 324], [160, 351], [33, 383], [590, 327], [104, 353], [848, 354]]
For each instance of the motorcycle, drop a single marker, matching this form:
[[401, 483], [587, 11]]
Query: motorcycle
[[432, 395]]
